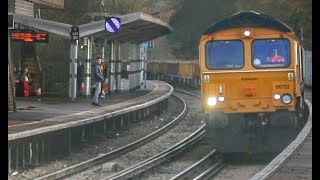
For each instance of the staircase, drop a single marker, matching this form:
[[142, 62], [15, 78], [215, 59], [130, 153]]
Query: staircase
[[30, 60]]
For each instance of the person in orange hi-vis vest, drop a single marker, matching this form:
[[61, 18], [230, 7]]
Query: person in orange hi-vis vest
[[275, 57]]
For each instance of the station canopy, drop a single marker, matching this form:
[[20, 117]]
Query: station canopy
[[136, 27]]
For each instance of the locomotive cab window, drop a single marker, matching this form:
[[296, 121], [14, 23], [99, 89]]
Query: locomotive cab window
[[270, 53], [219, 56]]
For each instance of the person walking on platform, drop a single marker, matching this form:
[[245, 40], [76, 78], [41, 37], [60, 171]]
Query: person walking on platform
[[98, 81]]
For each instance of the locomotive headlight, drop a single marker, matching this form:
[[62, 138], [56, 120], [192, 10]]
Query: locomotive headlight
[[276, 96], [221, 99], [246, 33], [212, 101], [286, 99]]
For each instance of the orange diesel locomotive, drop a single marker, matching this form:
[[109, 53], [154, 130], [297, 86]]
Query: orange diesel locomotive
[[251, 83]]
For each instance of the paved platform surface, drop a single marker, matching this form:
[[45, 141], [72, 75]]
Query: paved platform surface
[[30, 109], [299, 165], [295, 161]]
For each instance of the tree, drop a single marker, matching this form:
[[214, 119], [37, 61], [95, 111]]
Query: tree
[[295, 13], [195, 17], [192, 20]]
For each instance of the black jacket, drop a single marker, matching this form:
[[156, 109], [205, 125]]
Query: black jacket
[[80, 73]]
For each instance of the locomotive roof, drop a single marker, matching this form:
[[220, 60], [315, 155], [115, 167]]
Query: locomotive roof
[[248, 19]]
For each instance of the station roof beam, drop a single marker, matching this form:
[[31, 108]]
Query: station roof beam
[[136, 27]]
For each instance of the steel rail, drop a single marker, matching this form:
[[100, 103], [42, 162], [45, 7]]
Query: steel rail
[[113, 154], [213, 170], [192, 168], [159, 158]]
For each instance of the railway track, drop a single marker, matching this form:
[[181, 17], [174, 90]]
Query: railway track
[[200, 161], [207, 165], [118, 152], [213, 166], [60, 138], [135, 170], [118, 155]]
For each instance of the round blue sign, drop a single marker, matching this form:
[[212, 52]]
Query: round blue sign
[[112, 24]]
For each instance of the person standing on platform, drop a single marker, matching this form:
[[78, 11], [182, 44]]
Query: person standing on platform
[[104, 87], [98, 81], [18, 82], [26, 79], [80, 77]]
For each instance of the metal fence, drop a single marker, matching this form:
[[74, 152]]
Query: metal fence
[[307, 68]]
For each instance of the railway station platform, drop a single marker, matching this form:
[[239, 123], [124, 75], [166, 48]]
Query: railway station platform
[[30, 110], [295, 161], [41, 130]]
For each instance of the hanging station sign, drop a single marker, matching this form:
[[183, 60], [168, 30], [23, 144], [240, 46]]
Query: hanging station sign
[[112, 24]]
